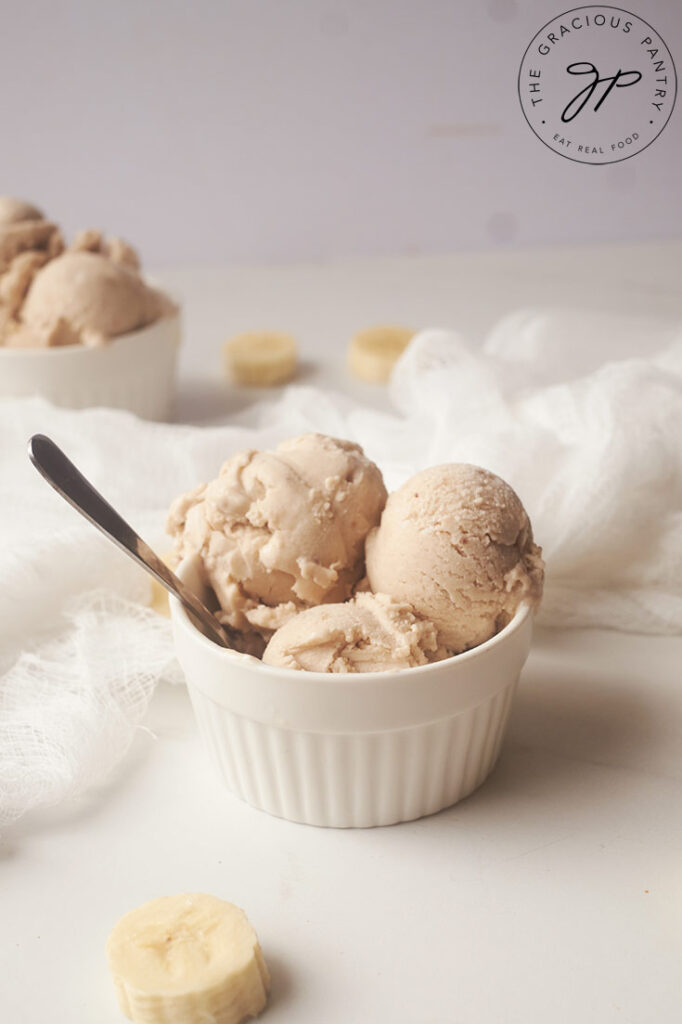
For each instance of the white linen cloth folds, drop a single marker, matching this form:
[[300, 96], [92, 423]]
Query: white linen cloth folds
[[594, 451]]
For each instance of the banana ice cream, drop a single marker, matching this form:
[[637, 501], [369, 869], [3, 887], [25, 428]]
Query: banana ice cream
[[13, 210], [82, 296], [27, 242], [285, 536], [370, 633], [280, 531], [456, 543], [86, 297]]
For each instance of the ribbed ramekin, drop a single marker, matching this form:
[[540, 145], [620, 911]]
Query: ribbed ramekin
[[135, 371], [352, 750]]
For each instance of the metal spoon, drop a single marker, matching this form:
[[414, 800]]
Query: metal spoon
[[60, 473]]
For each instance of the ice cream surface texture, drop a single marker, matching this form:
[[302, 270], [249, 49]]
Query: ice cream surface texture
[[95, 297], [13, 210], [456, 543], [283, 530], [192, 958], [85, 295], [370, 633]]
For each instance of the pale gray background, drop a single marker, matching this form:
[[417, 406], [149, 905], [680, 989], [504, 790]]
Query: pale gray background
[[256, 130]]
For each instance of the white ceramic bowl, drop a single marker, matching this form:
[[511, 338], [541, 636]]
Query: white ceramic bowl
[[135, 371], [351, 750]]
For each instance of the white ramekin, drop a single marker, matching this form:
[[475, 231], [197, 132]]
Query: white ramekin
[[351, 750], [135, 371]]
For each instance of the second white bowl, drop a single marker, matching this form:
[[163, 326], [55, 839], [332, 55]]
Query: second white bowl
[[351, 750], [135, 371]]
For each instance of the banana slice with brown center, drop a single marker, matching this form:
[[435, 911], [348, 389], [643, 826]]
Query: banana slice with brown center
[[187, 959]]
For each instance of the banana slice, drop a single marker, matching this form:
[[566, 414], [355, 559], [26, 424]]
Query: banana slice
[[187, 959], [373, 352], [159, 596], [261, 358]]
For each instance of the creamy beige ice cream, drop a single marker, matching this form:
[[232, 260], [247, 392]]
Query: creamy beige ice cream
[[27, 242], [37, 236], [282, 530], [118, 251], [91, 296], [370, 633], [86, 295], [12, 210], [456, 543]]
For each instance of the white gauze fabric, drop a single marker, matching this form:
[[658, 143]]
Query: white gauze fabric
[[594, 451]]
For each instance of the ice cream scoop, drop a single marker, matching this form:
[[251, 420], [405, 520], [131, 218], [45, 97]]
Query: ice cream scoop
[[116, 249], [282, 530], [92, 296], [13, 210], [456, 543], [84, 296], [27, 243], [370, 633], [22, 236]]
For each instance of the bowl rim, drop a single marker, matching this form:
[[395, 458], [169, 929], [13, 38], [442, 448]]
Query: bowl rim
[[254, 665], [79, 351]]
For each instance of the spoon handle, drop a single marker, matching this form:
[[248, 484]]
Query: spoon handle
[[69, 482]]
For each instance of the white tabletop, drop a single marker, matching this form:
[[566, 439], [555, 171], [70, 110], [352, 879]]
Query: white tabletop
[[553, 894], [322, 305]]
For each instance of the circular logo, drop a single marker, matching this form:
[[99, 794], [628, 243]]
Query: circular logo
[[597, 84]]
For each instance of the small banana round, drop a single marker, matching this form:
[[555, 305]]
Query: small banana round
[[374, 351], [158, 600], [261, 358], [187, 959]]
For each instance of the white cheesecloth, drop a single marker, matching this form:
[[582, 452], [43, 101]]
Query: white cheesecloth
[[594, 451]]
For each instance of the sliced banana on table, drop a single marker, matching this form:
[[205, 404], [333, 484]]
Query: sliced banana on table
[[187, 959], [373, 352], [158, 600], [261, 358]]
